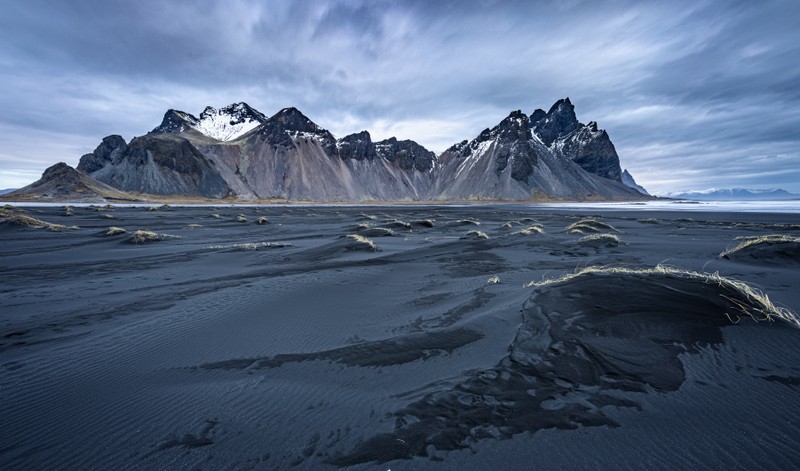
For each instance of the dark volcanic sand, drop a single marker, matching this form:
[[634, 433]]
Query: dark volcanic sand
[[240, 345]]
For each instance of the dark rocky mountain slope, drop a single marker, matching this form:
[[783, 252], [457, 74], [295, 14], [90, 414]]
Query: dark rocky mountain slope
[[237, 151]]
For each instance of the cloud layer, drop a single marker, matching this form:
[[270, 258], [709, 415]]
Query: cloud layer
[[694, 94]]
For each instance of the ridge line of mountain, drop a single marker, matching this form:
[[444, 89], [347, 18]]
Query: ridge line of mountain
[[236, 151]]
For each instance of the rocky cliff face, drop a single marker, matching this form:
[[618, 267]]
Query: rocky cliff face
[[236, 150], [522, 159], [584, 144], [159, 164]]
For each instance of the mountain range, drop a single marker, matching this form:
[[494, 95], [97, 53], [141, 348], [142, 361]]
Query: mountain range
[[722, 194], [238, 152]]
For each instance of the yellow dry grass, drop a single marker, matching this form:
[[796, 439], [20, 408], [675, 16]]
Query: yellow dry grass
[[361, 242], [751, 301], [114, 230], [476, 235], [759, 240], [531, 230], [18, 218], [141, 236], [589, 225], [609, 239]]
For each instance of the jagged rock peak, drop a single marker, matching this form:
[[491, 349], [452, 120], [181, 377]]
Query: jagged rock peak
[[292, 119], [110, 149], [559, 121], [407, 154], [537, 116], [174, 122], [356, 146]]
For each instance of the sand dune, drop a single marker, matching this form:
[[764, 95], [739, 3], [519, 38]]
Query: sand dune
[[302, 343]]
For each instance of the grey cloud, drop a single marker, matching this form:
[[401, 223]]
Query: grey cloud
[[677, 85]]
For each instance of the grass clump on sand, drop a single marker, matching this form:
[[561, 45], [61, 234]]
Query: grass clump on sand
[[465, 222], [589, 225], [531, 230], [396, 223], [18, 218], [609, 240], [216, 216], [152, 208], [142, 236], [759, 240], [250, 246], [261, 220], [750, 302], [114, 230], [423, 222], [493, 280], [69, 210], [359, 242], [241, 218], [476, 235], [194, 226], [377, 232]]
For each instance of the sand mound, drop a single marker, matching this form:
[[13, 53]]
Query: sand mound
[[359, 242], [530, 230], [475, 235], [376, 232], [589, 225], [114, 230], [142, 237], [773, 249], [600, 240], [585, 339], [19, 218]]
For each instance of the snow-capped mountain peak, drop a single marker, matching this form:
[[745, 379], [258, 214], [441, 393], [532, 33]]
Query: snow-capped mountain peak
[[228, 123]]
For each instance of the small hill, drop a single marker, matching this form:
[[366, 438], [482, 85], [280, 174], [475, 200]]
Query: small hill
[[61, 183]]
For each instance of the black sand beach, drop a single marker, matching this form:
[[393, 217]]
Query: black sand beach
[[399, 337]]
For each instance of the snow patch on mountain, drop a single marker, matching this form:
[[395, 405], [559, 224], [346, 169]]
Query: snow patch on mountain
[[229, 123]]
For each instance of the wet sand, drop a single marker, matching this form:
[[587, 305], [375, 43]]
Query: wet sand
[[222, 341]]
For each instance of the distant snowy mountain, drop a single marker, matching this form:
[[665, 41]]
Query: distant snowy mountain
[[715, 194]]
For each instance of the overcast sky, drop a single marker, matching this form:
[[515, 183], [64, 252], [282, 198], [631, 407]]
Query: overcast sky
[[693, 94]]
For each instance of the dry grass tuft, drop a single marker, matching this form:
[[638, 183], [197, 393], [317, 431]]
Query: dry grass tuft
[[588, 225], [396, 223], [18, 218], [216, 216], [423, 222], [152, 208], [531, 230], [359, 242], [476, 235], [262, 220], [241, 218], [493, 280], [610, 240], [466, 222], [250, 246], [114, 230], [759, 240], [194, 226], [141, 237], [68, 210], [752, 302], [377, 232]]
